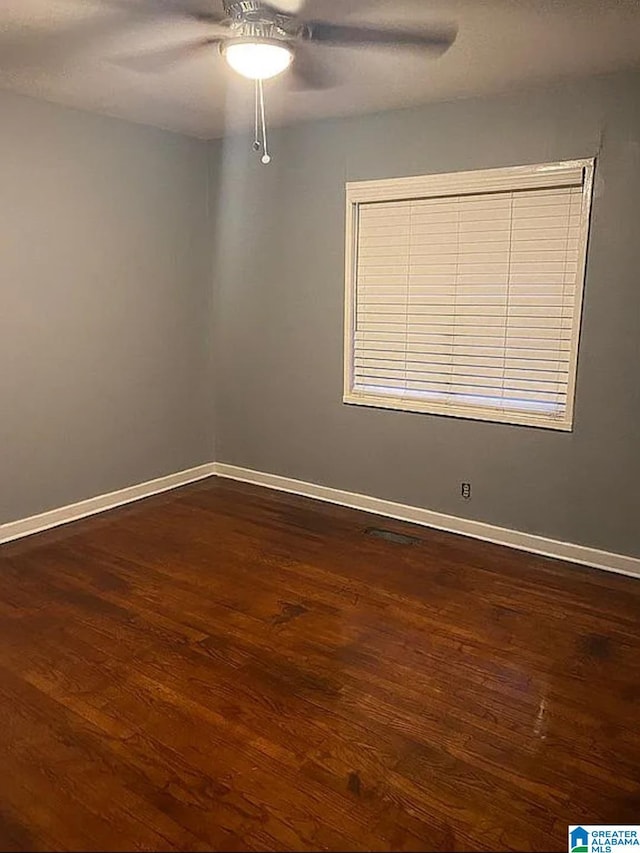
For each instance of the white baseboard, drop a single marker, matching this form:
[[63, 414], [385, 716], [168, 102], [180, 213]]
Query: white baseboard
[[569, 551], [100, 503], [453, 524]]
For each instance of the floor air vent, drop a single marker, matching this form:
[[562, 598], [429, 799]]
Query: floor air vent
[[391, 536]]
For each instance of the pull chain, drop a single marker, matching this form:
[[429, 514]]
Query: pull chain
[[266, 158], [260, 126], [257, 144]]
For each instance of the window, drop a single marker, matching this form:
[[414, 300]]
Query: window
[[464, 292]]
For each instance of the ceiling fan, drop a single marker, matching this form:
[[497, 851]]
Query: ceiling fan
[[261, 40]]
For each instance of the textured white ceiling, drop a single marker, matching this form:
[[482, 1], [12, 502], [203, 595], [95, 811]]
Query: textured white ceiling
[[501, 45]]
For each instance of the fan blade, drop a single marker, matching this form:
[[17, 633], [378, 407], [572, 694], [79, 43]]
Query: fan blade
[[155, 61], [330, 8], [310, 72], [178, 8], [31, 47], [345, 35], [151, 9], [289, 7]]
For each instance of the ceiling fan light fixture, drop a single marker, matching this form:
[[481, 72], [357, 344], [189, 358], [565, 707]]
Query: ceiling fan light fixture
[[258, 60]]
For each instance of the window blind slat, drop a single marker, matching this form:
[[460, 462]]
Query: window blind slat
[[489, 377]]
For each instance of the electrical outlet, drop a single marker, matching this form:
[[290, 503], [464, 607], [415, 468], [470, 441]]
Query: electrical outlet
[[465, 491]]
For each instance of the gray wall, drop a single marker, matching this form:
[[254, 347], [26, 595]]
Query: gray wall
[[118, 364], [104, 306], [279, 306]]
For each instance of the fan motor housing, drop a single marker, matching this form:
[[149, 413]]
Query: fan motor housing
[[247, 9], [253, 21]]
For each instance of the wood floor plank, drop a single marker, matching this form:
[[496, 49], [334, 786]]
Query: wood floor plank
[[225, 667]]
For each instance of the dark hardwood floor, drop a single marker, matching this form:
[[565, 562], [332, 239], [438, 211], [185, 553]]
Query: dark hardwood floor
[[226, 668]]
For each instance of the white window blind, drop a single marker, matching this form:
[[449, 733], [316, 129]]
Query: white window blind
[[468, 302]]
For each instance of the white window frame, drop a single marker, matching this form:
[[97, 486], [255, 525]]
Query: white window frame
[[458, 183]]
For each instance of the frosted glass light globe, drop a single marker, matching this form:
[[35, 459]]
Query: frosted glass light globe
[[258, 60]]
